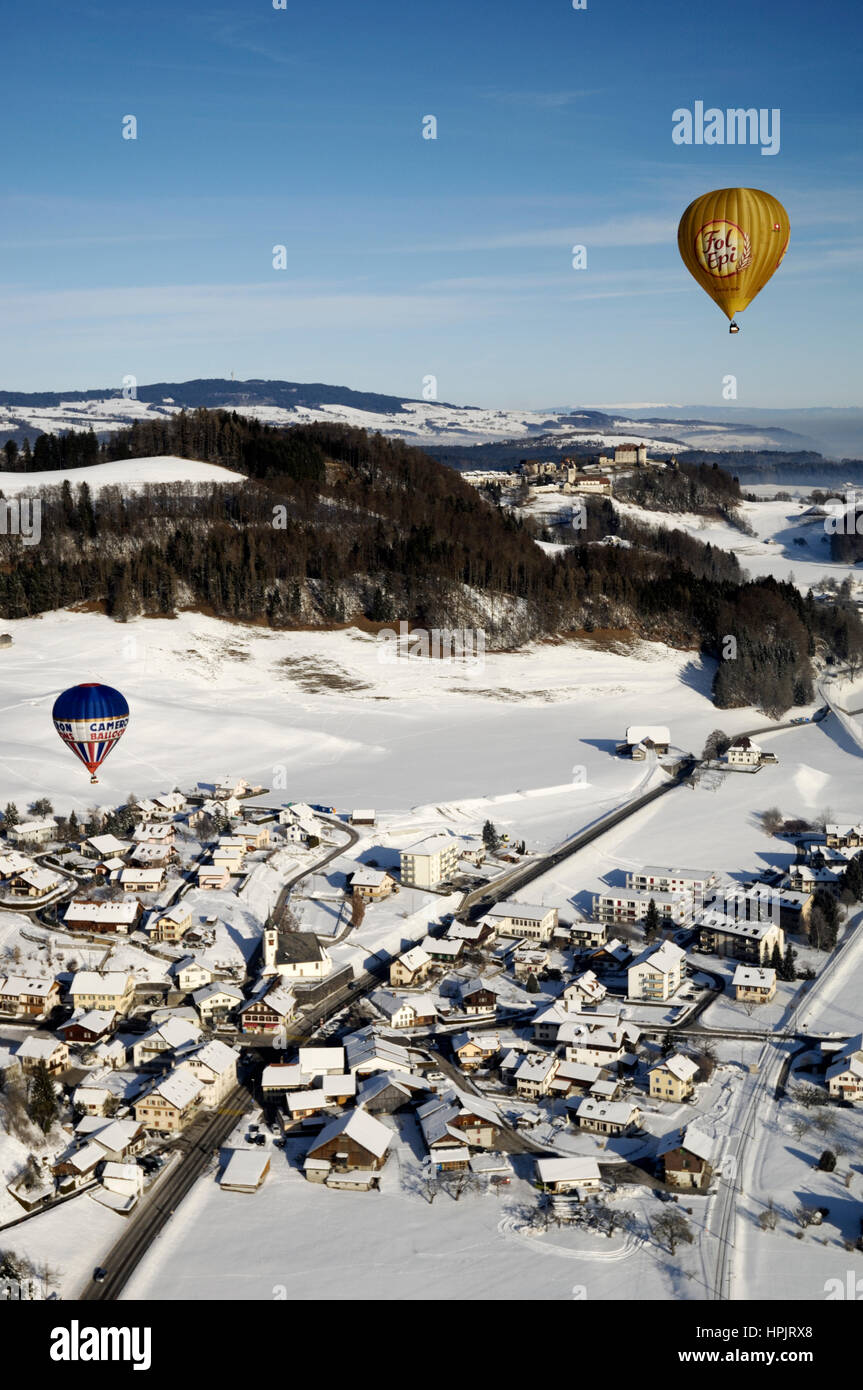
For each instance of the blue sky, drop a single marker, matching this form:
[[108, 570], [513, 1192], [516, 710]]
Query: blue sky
[[409, 257]]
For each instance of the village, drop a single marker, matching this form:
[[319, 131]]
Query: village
[[302, 986]]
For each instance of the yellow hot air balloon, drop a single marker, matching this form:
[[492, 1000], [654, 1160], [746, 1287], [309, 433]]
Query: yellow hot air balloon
[[731, 241]]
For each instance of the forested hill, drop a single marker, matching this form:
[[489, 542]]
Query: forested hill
[[335, 526]]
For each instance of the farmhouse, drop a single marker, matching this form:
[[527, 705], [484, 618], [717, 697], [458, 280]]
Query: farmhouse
[[269, 1011], [686, 1158], [477, 996], [84, 914], [744, 752], [353, 1140], [655, 736]]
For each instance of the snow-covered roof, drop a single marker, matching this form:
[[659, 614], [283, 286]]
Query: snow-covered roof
[[360, 1126], [754, 977], [684, 1068], [244, 1168], [551, 1170], [95, 982], [80, 910]]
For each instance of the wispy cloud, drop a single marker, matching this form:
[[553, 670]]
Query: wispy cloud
[[541, 99]]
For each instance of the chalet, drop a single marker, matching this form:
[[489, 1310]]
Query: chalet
[[88, 1027], [534, 1075], [686, 1157], [474, 934], [93, 989], [14, 862], [576, 1079], [607, 1117], [658, 972], [24, 997], [77, 1166], [754, 984], [253, 836], [295, 956], [165, 807], [630, 905], [42, 1047], [411, 968], [472, 1050], [610, 958], [151, 856], [474, 1121], [171, 1104], [85, 914], [153, 833], [34, 883], [244, 1170], [118, 1139], [535, 923], [744, 752], [585, 989], [303, 1104], [216, 1002], [441, 951], [599, 1046], [567, 1175], [844, 836], [171, 925], [372, 885], [751, 942], [268, 1012], [414, 1011], [446, 1145], [355, 1140], [673, 1078], [477, 996]]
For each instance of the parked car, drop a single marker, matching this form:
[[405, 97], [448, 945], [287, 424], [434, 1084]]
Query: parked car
[[100, 1274]]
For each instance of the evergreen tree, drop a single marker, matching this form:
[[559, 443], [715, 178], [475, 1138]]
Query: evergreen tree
[[42, 1104], [532, 985], [490, 837], [776, 962], [11, 818], [651, 921]]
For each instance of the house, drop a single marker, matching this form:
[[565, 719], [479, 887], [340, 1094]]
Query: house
[[353, 1140], [171, 1036], [576, 1079], [477, 996], [527, 961], [42, 1047], [171, 925], [229, 854], [77, 1166], [85, 914], [844, 836], [657, 973], [104, 847], [610, 958], [415, 1011], [657, 734], [190, 974], [598, 1046], [303, 1104], [751, 942], [24, 997], [215, 1065], [33, 832], [153, 833], [148, 880], [607, 1117], [630, 905], [383, 1093], [118, 1139], [321, 1061], [567, 1175], [268, 1011], [109, 989], [411, 968], [89, 1027], [673, 1078], [34, 883], [754, 984], [164, 807], [340, 1089], [366, 817], [365, 1053], [295, 955], [372, 885], [535, 923], [584, 935], [126, 1179], [534, 1074], [744, 752], [803, 878], [253, 836], [473, 850], [441, 951], [585, 989], [446, 1146], [14, 862], [172, 1103], [213, 877], [477, 934], [244, 1170], [471, 1050], [215, 1002], [474, 1121], [655, 878], [686, 1156], [430, 861], [845, 1076]]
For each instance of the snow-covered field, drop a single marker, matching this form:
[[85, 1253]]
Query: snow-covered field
[[128, 474]]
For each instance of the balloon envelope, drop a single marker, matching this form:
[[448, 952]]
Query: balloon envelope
[[91, 719], [731, 241]]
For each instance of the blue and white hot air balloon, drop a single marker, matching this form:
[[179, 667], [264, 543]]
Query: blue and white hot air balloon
[[91, 719]]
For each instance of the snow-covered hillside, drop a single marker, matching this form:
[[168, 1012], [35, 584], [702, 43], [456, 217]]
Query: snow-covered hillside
[[127, 474]]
